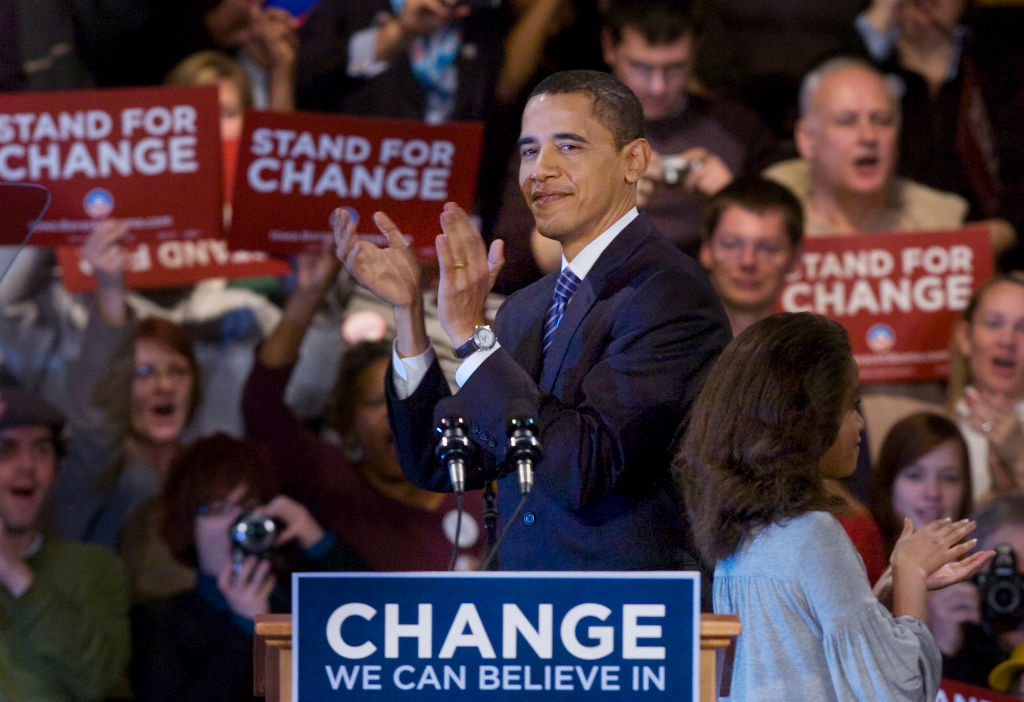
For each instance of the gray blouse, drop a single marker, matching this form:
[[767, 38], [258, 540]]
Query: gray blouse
[[812, 629]]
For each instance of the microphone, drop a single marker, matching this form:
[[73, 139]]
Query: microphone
[[523, 450], [454, 450]]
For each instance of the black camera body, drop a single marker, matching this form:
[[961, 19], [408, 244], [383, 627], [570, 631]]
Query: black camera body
[[1001, 587], [253, 534]]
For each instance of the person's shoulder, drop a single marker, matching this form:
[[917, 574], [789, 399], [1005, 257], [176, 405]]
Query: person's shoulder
[[792, 173], [812, 527], [929, 207], [648, 252], [76, 552]]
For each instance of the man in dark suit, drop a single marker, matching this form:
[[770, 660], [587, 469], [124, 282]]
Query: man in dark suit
[[608, 375]]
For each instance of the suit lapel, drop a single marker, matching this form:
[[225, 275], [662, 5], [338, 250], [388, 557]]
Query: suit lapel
[[524, 334], [611, 259], [575, 311]]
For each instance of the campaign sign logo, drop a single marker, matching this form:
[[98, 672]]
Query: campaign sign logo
[[881, 338], [154, 152], [99, 203], [495, 636]]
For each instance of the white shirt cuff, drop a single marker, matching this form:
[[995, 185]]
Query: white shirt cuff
[[473, 362], [361, 48], [409, 372]]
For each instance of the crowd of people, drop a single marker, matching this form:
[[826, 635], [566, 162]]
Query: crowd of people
[[644, 197]]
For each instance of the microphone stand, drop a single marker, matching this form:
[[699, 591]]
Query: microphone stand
[[490, 515]]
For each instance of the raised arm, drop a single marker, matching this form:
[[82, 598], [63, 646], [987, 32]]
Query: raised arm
[[392, 273], [314, 275]]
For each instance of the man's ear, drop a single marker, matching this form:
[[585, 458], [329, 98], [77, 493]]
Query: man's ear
[[704, 255], [607, 47], [637, 154], [803, 134], [794, 261], [962, 337]]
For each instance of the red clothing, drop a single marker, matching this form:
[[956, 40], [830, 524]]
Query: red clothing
[[867, 539], [388, 535]]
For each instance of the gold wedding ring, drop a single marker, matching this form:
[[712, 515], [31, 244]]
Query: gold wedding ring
[[457, 266]]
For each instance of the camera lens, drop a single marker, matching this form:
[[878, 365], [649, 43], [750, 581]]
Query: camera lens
[[253, 534], [1004, 597]]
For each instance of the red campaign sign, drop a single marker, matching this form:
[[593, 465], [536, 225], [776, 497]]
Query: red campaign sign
[[295, 168], [896, 294], [22, 204], [150, 156], [172, 263], [953, 691]]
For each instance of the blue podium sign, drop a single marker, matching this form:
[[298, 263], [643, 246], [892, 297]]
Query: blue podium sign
[[496, 636]]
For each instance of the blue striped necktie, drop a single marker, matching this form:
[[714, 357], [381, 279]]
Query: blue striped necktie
[[564, 288]]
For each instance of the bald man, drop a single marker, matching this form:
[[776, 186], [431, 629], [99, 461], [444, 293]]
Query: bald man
[[847, 136]]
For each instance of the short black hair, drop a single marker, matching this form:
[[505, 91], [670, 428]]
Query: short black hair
[[659, 21], [758, 195], [614, 105]]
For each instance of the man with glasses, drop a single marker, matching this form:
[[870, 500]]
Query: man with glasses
[[700, 143], [752, 238]]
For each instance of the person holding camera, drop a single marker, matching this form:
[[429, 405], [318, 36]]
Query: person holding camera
[[700, 141], [1001, 585], [197, 645]]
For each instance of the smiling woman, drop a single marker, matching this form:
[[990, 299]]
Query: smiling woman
[[986, 387], [922, 473]]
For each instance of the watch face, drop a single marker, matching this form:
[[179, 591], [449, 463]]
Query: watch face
[[483, 337]]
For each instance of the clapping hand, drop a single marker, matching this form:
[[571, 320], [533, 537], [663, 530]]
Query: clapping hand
[[936, 550]]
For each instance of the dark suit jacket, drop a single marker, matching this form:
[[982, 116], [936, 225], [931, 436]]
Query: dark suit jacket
[[624, 366]]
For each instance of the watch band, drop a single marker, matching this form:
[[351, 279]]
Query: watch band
[[482, 331]]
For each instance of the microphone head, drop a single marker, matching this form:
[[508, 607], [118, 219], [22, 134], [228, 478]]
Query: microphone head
[[521, 423], [523, 440], [452, 442], [454, 450]]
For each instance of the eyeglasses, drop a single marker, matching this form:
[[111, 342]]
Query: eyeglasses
[[670, 72], [219, 508], [176, 373], [735, 248]]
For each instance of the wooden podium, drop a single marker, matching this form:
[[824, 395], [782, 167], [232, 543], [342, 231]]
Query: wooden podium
[[272, 655]]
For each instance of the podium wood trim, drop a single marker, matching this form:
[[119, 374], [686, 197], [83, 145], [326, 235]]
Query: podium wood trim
[[272, 655]]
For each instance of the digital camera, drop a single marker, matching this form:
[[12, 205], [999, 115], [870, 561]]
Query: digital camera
[[1002, 587], [253, 534], [673, 168]]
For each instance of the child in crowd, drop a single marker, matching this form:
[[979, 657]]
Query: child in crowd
[[923, 473], [776, 417]]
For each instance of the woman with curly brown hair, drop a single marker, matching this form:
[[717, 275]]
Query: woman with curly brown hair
[[776, 417]]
